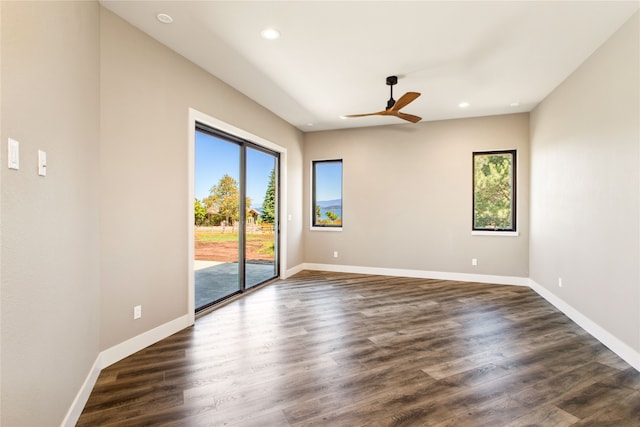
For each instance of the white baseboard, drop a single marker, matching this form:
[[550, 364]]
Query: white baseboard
[[116, 353], [73, 414], [137, 343], [294, 270], [628, 354], [420, 274]]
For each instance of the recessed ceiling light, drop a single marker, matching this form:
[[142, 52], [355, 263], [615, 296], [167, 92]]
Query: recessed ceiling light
[[270, 34], [344, 117], [463, 104], [164, 18], [514, 104]]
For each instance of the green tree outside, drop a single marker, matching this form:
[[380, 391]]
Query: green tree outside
[[200, 212], [225, 197], [332, 216], [493, 191], [269, 204]]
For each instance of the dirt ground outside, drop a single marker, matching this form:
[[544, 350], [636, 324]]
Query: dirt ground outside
[[227, 251]]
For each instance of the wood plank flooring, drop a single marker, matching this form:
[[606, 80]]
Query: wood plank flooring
[[333, 349]]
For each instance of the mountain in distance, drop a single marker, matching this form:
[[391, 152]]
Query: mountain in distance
[[330, 204]]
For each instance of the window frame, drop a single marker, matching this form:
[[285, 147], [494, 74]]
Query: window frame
[[326, 227], [513, 230]]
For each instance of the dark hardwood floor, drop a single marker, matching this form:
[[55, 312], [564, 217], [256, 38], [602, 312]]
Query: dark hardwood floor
[[333, 349]]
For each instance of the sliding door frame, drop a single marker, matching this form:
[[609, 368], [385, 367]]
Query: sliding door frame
[[196, 118]]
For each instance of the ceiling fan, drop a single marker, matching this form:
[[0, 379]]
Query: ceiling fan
[[393, 106]]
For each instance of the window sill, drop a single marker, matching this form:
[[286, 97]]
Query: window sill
[[495, 233], [325, 228]]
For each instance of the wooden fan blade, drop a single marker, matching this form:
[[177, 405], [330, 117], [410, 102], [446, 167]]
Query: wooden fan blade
[[404, 100], [408, 117], [377, 113]]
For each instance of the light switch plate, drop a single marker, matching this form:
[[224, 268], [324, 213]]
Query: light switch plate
[[42, 163], [13, 154]]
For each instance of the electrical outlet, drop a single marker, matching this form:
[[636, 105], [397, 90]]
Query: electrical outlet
[[137, 312], [335, 254], [474, 261]]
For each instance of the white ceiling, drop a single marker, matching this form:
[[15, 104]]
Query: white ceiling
[[333, 56]]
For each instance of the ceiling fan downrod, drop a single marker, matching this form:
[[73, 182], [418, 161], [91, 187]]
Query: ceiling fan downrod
[[391, 81]]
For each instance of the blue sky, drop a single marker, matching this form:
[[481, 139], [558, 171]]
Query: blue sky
[[216, 157], [328, 181]]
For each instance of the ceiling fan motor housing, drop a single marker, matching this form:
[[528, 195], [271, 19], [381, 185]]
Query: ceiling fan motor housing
[[391, 102], [391, 80]]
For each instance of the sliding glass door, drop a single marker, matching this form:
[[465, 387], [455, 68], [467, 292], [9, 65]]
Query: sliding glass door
[[235, 216]]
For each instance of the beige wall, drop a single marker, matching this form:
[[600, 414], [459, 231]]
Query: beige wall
[[585, 188], [146, 92], [407, 197], [50, 250]]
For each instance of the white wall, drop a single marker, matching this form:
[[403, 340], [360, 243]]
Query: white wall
[[49, 231], [407, 197], [585, 189]]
